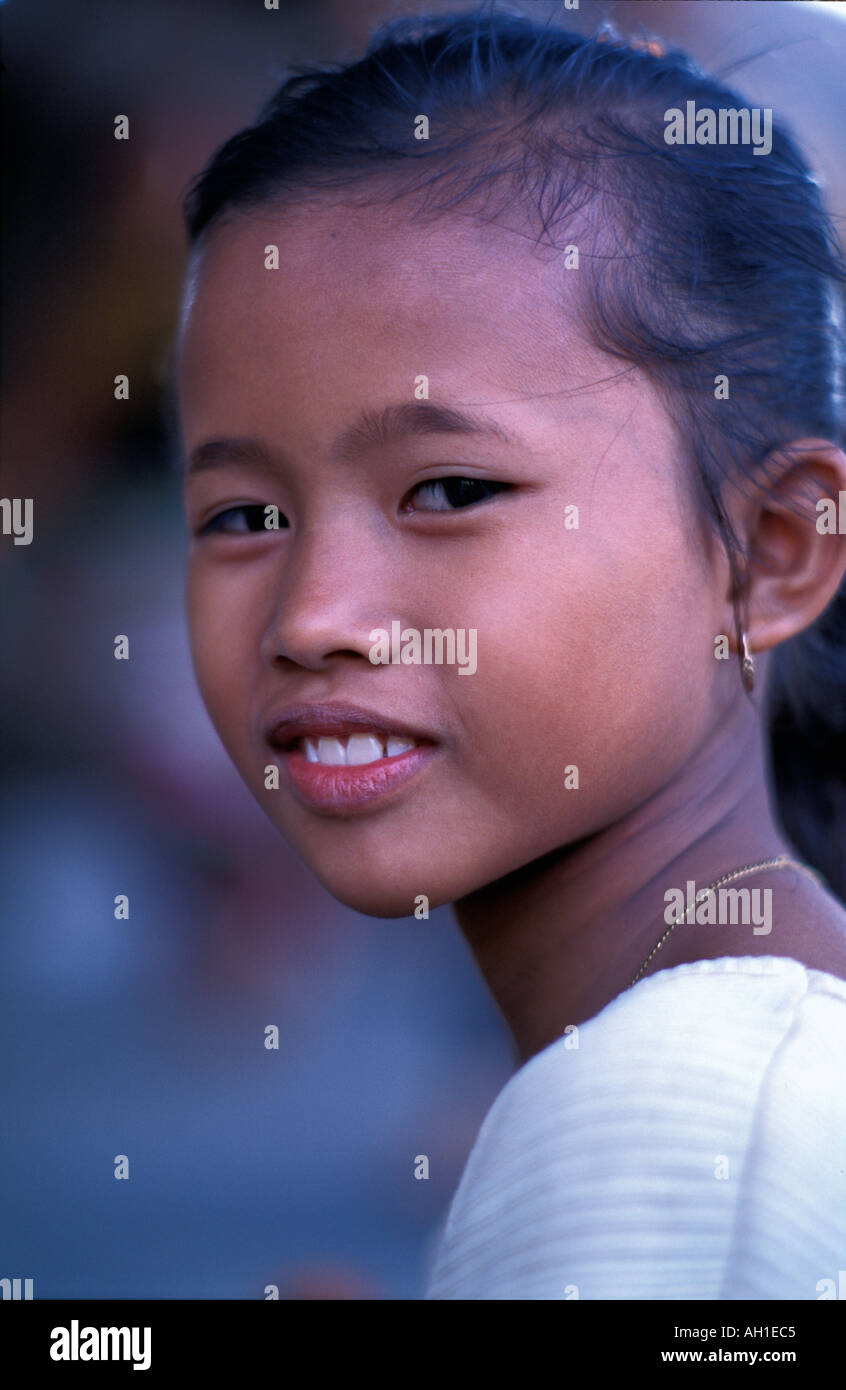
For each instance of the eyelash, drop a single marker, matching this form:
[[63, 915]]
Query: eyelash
[[493, 487], [216, 522]]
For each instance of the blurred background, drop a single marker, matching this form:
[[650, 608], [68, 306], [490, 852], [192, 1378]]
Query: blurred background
[[145, 1036]]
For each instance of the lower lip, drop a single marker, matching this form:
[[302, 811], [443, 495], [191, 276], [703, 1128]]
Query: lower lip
[[344, 788]]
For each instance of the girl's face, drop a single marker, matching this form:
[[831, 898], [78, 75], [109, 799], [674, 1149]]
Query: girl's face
[[594, 642]]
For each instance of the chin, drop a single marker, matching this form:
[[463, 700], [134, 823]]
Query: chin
[[373, 896], [378, 900]]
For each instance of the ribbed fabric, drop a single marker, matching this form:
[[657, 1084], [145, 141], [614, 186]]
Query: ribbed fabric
[[598, 1171]]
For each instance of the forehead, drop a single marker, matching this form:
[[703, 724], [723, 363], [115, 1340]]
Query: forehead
[[445, 288], [366, 300]]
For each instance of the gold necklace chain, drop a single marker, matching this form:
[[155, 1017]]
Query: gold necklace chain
[[783, 861]]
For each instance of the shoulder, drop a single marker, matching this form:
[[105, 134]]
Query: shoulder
[[688, 1141], [731, 1019]]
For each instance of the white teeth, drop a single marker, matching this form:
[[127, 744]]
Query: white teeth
[[363, 748], [355, 750], [331, 751]]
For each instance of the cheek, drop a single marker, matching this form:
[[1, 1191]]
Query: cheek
[[604, 663], [221, 623], [633, 676]]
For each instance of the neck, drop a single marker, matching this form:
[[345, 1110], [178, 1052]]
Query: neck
[[560, 938]]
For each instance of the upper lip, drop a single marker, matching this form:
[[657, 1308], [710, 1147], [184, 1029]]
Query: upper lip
[[298, 721]]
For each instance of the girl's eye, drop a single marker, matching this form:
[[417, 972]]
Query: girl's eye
[[446, 494], [241, 521]]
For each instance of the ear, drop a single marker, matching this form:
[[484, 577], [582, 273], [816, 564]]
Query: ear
[[794, 528]]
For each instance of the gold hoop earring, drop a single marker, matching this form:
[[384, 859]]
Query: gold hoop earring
[[748, 665]]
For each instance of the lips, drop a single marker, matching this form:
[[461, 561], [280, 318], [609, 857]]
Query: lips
[[339, 721], [338, 758]]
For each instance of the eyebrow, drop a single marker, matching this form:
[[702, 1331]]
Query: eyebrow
[[372, 429]]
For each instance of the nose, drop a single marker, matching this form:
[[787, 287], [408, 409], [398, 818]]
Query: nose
[[332, 588]]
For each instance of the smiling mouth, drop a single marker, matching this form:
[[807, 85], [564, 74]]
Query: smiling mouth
[[352, 750], [340, 774], [339, 759]]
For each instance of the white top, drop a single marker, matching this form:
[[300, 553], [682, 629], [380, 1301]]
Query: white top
[[687, 1142]]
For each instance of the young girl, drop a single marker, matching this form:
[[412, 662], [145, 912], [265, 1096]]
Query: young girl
[[474, 343]]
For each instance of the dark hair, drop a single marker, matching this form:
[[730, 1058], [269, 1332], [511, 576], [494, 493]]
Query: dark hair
[[704, 260]]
